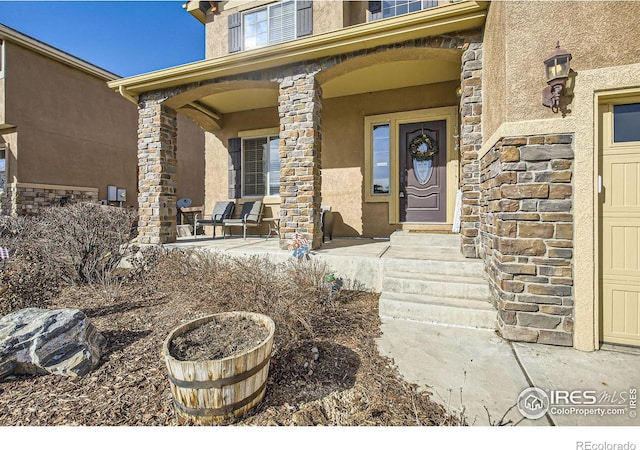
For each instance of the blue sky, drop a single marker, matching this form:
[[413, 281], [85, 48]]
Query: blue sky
[[123, 37]]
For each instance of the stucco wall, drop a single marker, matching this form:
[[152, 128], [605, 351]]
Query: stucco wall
[[327, 16], [72, 130], [342, 152], [597, 34], [495, 73], [190, 156], [217, 155]]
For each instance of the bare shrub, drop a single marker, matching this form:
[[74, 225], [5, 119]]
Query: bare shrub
[[291, 294], [31, 275], [91, 239]]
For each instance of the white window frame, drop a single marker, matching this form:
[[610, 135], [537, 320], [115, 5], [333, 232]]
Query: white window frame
[[2, 58], [268, 8], [269, 134]]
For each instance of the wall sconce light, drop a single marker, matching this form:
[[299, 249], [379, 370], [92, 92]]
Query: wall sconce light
[[557, 67]]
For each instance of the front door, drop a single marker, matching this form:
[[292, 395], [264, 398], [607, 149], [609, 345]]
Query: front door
[[423, 169], [620, 224]]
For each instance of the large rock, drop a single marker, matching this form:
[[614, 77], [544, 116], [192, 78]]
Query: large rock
[[41, 341]]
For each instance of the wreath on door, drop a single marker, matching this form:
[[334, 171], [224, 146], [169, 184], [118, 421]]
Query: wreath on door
[[423, 149]]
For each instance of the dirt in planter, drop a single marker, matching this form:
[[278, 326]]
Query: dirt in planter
[[220, 338]]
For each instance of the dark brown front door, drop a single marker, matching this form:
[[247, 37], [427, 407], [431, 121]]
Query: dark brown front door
[[423, 168]]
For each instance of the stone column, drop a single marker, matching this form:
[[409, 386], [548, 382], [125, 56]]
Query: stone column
[[300, 105], [470, 144], [157, 138]]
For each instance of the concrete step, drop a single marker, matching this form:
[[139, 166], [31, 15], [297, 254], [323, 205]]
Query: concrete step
[[423, 239], [436, 285], [445, 311], [439, 264]]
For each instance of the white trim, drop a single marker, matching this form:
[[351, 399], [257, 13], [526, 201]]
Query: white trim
[[3, 59]]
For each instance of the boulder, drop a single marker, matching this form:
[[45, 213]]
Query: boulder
[[37, 341]]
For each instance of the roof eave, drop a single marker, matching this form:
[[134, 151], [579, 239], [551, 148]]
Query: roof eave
[[446, 19]]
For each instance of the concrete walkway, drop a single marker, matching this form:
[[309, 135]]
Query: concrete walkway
[[480, 375], [466, 369]]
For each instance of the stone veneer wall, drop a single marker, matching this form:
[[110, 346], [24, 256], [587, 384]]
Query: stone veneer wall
[[300, 96], [300, 143], [157, 140], [29, 198], [526, 236], [470, 144]]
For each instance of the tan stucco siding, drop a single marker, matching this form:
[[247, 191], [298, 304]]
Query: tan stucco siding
[[72, 129], [327, 16], [343, 152], [217, 35], [190, 156], [217, 155], [495, 76], [2, 109], [586, 29]]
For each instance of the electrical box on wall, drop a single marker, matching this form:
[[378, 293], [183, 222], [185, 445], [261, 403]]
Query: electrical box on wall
[[122, 195], [112, 193]]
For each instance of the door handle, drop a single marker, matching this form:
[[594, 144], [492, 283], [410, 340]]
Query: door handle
[[599, 184]]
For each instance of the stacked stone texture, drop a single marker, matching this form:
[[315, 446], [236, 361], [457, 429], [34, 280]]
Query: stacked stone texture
[[300, 110], [157, 137], [28, 200], [526, 236], [470, 144], [300, 115]]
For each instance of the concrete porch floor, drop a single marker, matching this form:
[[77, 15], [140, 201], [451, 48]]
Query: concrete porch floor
[[466, 368]]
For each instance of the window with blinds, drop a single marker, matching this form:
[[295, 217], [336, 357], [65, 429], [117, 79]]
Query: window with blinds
[[260, 166], [271, 25], [385, 9]]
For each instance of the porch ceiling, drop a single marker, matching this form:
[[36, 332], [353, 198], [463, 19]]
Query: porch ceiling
[[371, 78]]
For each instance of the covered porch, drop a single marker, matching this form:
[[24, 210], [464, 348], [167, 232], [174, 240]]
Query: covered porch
[[309, 103]]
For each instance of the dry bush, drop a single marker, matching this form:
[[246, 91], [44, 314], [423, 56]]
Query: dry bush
[[91, 239], [78, 243], [291, 294], [31, 275]]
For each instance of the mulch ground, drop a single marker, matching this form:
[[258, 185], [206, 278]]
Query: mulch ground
[[336, 378]]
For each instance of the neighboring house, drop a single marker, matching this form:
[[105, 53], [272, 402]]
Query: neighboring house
[[65, 136], [385, 110]]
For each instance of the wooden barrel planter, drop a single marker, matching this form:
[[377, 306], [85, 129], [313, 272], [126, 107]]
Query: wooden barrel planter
[[209, 391]]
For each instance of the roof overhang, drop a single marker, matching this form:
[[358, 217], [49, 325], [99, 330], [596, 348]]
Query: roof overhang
[[441, 20], [35, 45]]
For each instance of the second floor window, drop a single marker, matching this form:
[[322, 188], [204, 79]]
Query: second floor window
[[278, 22], [392, 8], [271, 25]]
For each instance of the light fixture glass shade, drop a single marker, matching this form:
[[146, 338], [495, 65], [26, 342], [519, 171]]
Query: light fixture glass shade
[[558, 68]]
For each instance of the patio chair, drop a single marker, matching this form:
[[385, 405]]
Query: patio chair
[[250, 216], [221, 211]]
